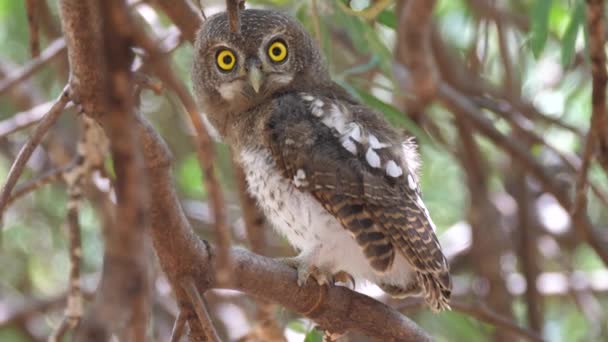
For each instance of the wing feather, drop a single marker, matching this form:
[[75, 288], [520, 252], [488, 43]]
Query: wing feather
[[310, 142]]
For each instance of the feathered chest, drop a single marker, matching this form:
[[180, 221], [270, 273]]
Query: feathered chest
[[297, 215]]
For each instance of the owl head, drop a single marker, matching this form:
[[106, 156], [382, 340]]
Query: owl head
[[233, 72]]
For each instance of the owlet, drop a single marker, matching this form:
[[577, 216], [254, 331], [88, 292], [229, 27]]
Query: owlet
[[332, 176]]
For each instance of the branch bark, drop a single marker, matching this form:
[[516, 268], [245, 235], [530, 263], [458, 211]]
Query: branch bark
[[413, 55]]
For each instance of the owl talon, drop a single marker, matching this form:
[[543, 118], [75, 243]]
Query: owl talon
[[346, 278], [321, 276]]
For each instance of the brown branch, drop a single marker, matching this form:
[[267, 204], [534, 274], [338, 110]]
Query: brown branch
[[53, 51], [26, 151], [183, 15], [413, 53], [598, 127], [178, 327], [481, 312], [82, 27], [571, 162], [458, 75], [527, 248], [31, 7], [204, 147], [316, 23], [370, 13], [336, 308], [74, 309], [488, 237], [21, 190], [465, 109], [234, 20], [201, 310], [99, 50], [25, 119]]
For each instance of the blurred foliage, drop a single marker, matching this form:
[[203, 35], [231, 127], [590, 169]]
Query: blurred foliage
[[33, 257]]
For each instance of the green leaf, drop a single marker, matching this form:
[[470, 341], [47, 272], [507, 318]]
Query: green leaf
[[388, 18], [190, 177], [297, 326], [313, 336], [364, 37], [571, 33], [540, 26]]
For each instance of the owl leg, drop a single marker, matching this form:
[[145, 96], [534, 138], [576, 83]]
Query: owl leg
[[306, 266], [306, 269]]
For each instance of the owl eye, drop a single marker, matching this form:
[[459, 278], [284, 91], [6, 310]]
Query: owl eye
[[225, 60], [277, 51]]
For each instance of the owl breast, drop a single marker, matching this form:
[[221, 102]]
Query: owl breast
[[306, 225]]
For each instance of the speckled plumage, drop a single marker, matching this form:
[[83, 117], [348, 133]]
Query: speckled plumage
[[331, 175]]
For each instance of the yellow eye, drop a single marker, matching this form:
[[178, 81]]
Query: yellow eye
[[225, 60], [277, 51]]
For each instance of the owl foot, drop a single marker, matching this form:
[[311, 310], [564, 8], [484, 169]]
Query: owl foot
[[332, 336], [321, 276]]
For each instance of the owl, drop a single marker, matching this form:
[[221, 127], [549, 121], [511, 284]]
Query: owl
[[332, 176]]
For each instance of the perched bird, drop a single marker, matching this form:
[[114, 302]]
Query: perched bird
[[332, 176]]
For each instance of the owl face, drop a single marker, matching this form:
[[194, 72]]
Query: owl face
[[234, 72]]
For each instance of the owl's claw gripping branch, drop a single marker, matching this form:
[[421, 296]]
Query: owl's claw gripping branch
[[306, 270]]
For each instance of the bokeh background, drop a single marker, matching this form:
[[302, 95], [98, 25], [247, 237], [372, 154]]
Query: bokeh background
[[523, 66]]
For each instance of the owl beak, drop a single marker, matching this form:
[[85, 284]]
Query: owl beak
[[255, 76]]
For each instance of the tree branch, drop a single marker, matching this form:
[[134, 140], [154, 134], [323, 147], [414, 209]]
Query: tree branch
[[26, 151], [53, 51], [414, 56]]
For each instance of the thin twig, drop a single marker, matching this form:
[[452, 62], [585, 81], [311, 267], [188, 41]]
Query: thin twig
[[369, 13], [413, 55], [232, 8], [178, 327], [35, 184], [26, 151], [316, 22], [200, 308], [51, 52], [32, 21], [183, 15], [571, 162], [25, 119], [485, 314], [463, 108], [143, 81], [60, 330], [74, 308], [598, 100]]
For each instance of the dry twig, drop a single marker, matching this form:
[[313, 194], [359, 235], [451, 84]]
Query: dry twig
[[483, 313], [198, 303], [26, 151], [31, 7], [598, 128], [53, 51], [178, 327], [232, 8], [414, 59]]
